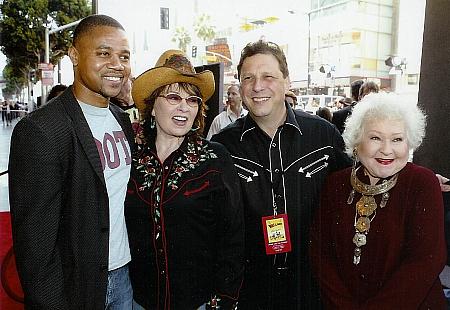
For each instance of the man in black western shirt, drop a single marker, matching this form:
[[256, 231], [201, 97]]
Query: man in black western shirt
[[282, 157]]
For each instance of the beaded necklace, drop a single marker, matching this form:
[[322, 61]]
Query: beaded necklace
[[366, 208]]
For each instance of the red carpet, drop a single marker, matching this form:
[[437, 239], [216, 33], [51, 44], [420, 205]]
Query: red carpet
[[10, 290]]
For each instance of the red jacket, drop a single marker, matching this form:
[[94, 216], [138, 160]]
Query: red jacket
[[405, 250]]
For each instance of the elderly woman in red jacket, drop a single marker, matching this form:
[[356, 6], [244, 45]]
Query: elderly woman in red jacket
[[378, 238]]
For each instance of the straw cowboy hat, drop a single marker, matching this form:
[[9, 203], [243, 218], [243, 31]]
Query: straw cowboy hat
[[346, 101], [172, 67], [291, 94]]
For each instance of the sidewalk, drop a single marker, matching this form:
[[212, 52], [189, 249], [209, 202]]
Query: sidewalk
[[5, 140]]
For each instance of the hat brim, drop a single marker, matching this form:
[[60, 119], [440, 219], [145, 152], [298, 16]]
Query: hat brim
[[146, 83], [345, 102]]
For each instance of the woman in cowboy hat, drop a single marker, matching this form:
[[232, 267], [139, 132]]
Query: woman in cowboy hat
[[183, 209]]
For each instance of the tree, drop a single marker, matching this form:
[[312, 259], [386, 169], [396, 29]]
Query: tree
[[15, 79], [203, 28], [63, 13], [22, 32], [182, 36], [22, 27]]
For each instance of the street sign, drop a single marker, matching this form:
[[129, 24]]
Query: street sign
[[45, 66], [46, 73]]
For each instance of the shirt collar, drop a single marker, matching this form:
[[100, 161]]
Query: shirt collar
[[231, 114], [291, 121]]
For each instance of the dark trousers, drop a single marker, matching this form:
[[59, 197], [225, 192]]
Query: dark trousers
[[277, 293]]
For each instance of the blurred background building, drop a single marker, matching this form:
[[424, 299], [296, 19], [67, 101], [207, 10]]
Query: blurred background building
[[328, 43]]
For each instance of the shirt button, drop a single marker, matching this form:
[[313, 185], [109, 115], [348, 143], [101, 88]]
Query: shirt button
[[274, 144], [163, 272], [166, 167]]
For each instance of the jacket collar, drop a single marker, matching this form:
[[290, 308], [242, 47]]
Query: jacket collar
[[83, 132]]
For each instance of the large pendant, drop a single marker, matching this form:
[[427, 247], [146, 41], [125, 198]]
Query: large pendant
[[366, 205], [359, 239], [366, 208], [362, 224]]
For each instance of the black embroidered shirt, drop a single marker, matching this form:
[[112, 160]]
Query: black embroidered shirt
[[185, 225]]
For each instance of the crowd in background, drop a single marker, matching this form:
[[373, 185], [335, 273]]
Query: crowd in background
[[12, 110]]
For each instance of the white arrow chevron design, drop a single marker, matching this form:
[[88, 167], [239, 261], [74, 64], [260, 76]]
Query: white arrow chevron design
[[309, 174], [254, 173], [302, 169], [247, 178]]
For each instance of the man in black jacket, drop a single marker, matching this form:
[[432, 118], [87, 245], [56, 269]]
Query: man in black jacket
[[340, 116], [282, 157], [68, 170]]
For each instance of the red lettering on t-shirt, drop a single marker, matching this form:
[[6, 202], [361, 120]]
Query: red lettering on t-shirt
[[108, 152]]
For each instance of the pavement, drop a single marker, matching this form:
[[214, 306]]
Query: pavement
[[5, 140]]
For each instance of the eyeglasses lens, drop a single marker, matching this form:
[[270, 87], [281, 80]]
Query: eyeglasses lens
[[176, 99]]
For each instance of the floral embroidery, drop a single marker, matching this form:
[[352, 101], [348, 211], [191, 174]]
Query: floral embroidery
[[151, 170], [155, 178], [148, 165]]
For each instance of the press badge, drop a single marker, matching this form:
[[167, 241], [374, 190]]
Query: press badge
[[276, 234]]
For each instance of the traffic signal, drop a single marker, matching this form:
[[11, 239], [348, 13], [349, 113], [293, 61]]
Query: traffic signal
[[33, 77], [194, 51], [395, 61]]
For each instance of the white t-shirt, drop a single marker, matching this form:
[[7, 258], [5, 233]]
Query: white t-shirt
[[222, 120], [115, 156]]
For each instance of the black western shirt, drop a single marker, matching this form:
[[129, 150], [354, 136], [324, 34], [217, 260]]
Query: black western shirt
[[185, 226], [285, 173]]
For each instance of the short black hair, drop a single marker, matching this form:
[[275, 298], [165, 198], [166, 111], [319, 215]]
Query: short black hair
[[55, 91], [355, 86], [92, 21], [325, 113]]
